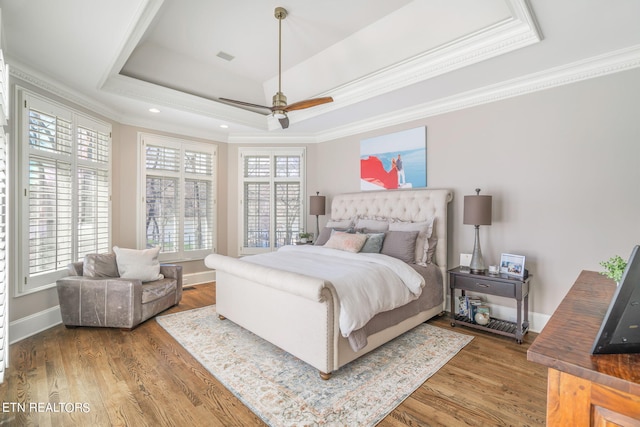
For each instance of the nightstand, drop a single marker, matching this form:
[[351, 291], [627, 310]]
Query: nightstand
[[501, 285]]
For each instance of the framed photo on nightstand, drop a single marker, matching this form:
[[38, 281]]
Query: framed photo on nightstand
[[512, 265]]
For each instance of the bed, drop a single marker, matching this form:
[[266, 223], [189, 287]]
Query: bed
[[301, 312]]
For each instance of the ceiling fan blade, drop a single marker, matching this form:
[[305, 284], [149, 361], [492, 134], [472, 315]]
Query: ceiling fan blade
[[246, 104], [308, 103], [284, 122]]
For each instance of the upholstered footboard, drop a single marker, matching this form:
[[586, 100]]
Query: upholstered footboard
[[295, 312]]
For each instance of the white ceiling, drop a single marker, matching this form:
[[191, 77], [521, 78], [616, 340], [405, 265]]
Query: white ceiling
[[383, 62]]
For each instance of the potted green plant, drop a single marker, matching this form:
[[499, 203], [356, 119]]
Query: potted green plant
[[304, 237], [614, 267]]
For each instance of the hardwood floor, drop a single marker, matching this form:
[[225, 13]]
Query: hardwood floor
[[102, 377]]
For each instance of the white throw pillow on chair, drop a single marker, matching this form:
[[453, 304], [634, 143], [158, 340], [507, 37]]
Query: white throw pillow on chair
[[140, 264]]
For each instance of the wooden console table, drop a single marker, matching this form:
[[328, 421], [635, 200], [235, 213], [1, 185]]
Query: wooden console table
[[586, 390], [500, 285]]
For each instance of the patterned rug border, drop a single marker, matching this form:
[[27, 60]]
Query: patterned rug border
[[263, 384]]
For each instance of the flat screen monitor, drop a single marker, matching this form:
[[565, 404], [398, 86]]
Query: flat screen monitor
[[620, 330]]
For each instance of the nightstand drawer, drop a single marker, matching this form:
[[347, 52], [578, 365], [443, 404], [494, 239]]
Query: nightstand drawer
[[487, 286]]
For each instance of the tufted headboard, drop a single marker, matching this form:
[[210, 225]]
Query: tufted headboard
[[405, 205]]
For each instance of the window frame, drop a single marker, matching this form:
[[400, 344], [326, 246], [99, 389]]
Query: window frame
[[27, 101], [5, 217], [183, 145], [272, 152]]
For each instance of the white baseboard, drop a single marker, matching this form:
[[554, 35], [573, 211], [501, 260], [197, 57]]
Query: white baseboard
[[199, 278], [537, 321], [38, 322], [34, 323]]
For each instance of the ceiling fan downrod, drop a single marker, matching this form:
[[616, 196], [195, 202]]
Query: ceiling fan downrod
[[279, 99], [280, 108]]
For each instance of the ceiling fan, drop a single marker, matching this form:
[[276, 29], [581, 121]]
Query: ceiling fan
[[280, 107]]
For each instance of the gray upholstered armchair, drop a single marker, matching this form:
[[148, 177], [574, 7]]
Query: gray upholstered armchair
[[114, 301]]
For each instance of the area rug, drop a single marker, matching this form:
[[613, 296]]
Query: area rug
[[284, 391]]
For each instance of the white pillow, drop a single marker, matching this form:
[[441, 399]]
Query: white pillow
[[425, 229], [138, 264]]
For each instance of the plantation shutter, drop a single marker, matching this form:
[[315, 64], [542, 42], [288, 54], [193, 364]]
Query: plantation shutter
[[257, 201], [162, 192], [65, 173], [198, 197], [288, 199], [4, 298], [93, 191], [50, 194], [4, 347], [287, 212], [272, 183], [180, 186]]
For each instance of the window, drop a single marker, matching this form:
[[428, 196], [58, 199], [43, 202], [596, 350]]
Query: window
[[65, 174], [4, 313], [179, 180], [272, 195]]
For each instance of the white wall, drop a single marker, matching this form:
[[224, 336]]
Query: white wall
[[563, 166]]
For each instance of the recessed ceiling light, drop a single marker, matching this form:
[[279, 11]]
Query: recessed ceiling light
[[224, 126], [154, 110]]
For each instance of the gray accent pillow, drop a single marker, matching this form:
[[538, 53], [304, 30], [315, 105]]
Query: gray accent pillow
[[100, 265], [373, 244], [425, 229], [401, 245]]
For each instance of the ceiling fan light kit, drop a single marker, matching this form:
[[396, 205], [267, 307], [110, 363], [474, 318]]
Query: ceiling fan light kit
[[280, 108]]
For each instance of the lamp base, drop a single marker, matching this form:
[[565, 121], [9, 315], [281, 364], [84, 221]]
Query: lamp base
[[477, 262]]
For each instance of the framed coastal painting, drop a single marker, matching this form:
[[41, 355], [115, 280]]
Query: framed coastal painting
[[396, 160]]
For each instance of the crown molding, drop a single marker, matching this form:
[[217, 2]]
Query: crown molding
[[261, 138], [32, 77], [153, 125], [516, 32], [598, 66]]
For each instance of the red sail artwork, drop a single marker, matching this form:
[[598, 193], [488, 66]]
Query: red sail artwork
[[372, 170]]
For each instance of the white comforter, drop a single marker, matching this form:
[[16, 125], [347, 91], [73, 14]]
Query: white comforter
[[366, 284]]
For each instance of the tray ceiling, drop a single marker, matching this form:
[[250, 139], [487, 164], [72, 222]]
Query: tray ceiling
[[377, 59]]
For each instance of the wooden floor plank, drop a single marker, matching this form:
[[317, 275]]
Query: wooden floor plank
[[144, 377]]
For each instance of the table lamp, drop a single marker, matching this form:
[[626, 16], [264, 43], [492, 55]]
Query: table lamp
[[316, 207], [477, 212]]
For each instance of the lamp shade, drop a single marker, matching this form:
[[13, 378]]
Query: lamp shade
[[316, 205], [477, 210]]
